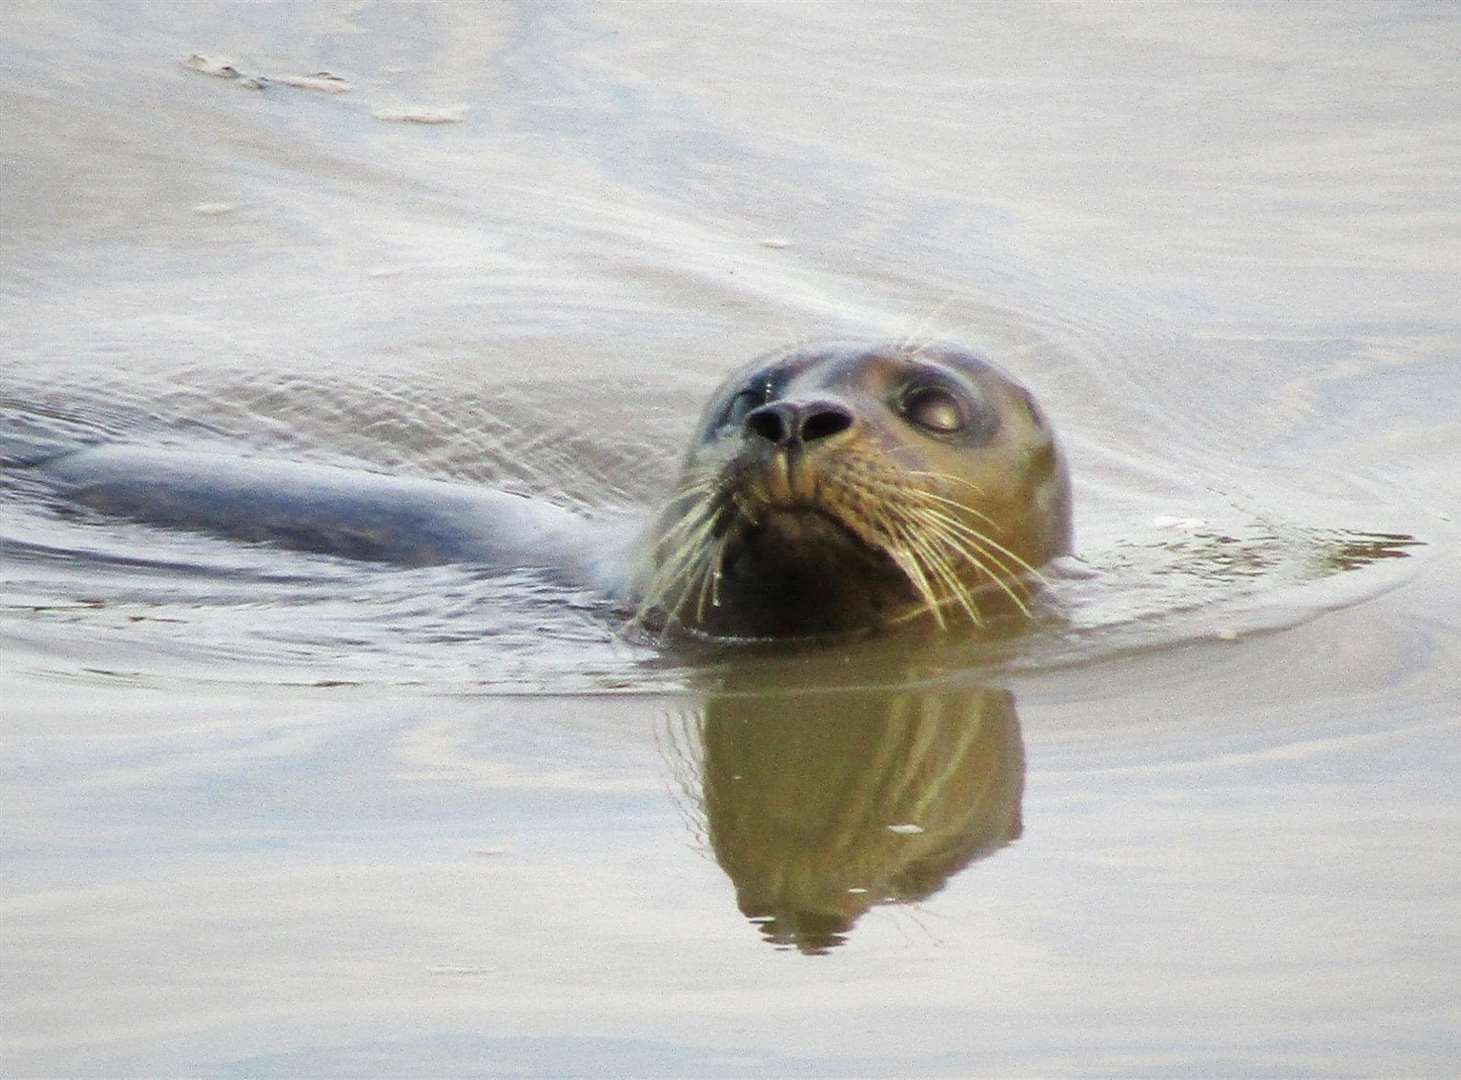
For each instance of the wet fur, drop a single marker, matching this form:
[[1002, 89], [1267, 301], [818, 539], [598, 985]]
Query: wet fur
[[766, 544]]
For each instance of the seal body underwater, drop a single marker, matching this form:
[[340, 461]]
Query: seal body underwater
[[834, 487], [845, 486]]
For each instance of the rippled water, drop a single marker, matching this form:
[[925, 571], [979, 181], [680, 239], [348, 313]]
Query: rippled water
[[277, 813]]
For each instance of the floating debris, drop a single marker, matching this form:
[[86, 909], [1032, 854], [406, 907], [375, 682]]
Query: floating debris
[[905, 830], [222, 68], [414, 115], [213, 209], [213, 65], [777, 242], [323, 81]]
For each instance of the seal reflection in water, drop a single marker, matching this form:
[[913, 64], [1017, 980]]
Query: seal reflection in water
[[846, 486], [819, 804]]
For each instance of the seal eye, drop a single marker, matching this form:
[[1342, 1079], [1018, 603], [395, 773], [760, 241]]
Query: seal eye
[[934, 409], [741, 404]]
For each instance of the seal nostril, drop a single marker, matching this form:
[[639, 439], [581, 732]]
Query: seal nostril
[[824, 421], [784, 423], [770, 423]]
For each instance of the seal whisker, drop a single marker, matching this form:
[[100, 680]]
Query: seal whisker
[[950, 477], [939, 566], [958, 589], [971, 539], [973, 555], [692, 522], [904, 492], [927, 541], [935, 518], [907, 560], [973, 511], [917, 334], [745, 511], [706, 574], [710, 578], [719, 572], [677, 566], [699, 486], [969, 530]]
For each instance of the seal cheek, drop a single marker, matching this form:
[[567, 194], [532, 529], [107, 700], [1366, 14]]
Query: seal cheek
[[1050, 498]]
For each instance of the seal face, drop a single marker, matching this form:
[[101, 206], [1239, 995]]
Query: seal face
[[845, 486]]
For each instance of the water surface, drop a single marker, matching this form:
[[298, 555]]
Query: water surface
[[270, 813]]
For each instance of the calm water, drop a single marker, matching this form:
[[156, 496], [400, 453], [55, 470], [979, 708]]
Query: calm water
[[268, 813]]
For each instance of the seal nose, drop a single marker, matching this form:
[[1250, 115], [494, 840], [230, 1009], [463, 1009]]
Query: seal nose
[[786, 422]]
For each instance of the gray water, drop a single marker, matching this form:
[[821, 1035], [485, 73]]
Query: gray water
[[270, 813]]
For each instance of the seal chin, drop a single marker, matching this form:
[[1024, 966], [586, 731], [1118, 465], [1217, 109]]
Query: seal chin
[[801, 539], [799, 571]]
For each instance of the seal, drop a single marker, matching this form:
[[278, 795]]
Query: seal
[[845, 486], [830, 488]]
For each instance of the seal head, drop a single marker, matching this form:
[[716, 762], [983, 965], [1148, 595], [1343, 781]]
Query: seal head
[[846, 486]]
